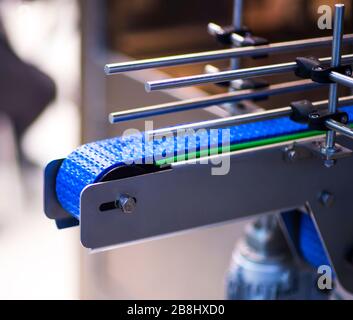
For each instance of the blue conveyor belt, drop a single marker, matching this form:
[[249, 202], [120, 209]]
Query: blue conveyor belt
[[90, 162], [310, 245]]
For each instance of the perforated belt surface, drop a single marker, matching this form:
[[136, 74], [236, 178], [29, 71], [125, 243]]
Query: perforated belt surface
[[90, 162], [310, 245]]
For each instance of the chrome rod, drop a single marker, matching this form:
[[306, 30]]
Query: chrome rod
[[241, 119], [230, 75], [217, 99], [339, 127], [335, 62], [226, 122], [198, 57], [238, 14], [342, 79], [238, 24]]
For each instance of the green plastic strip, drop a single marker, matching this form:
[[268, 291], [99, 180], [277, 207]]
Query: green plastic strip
[[239, 146]]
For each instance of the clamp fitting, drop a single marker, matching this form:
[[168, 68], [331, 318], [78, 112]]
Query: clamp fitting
[[312, 68], [305, 112]]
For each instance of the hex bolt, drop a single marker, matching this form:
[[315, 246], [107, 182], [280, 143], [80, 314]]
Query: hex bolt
[[291, 154], [329, 163], [126, 203], [326, 199]]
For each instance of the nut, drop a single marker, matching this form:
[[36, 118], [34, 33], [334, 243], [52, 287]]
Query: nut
[[126, 203]]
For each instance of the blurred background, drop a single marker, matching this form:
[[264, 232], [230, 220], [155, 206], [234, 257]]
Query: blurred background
[[54, 96]]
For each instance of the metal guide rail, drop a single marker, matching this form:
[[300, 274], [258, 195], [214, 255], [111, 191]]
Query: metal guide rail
[[199, 57], [276, 157]]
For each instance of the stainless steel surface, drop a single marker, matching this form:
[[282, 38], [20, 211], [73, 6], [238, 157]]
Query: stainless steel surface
[[114, 68], [335, 62], [230, 75], [239, 200], [217, 99], [340, 128], [240, 119]]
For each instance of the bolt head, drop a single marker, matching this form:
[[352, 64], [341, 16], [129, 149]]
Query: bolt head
[[326, 199], [329, 163], [126, 203], [291, 154]]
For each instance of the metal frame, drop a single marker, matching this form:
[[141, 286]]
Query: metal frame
[[287, 184]]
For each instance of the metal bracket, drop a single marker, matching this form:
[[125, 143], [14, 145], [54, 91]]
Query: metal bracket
[[314, 148], [186, 197], [259, 181], [317, 147]]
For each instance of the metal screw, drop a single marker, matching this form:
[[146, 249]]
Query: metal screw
[[126, 203], [291, 154], [326, 199], [328, 153], [329, 163]]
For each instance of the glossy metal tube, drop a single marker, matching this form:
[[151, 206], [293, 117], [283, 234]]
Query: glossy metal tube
[[198, 57], [217, 99], [231, 75], [241, 119]]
